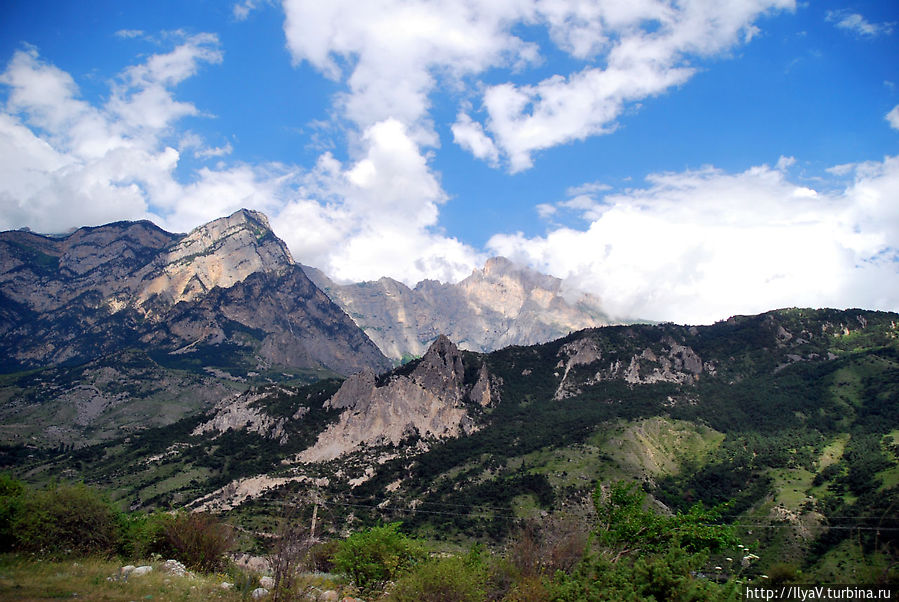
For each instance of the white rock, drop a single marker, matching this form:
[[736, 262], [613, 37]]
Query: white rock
[[267, 582], [173, 567], [126, 570], [141, 571], [226, 585], [259, 592]]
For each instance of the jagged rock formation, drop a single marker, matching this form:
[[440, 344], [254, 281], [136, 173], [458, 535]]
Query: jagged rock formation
[[243, 411], [670, 362], [499, 305], [432, 400], [229, 283]]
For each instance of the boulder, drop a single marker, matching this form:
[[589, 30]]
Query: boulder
[[141, 571]]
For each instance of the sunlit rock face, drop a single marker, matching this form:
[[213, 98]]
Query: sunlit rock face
[[499, 305], [432, 401], [230, 282]]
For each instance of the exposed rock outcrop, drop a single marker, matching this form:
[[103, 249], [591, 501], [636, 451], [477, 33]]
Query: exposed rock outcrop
[[218, 254], [669, 362], [433, 400], [242, 411]]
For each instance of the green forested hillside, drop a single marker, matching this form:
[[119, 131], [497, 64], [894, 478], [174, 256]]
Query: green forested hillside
[[787, 422]]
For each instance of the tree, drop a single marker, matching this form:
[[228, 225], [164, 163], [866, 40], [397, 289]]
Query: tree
[[640, 554], [375, 556]]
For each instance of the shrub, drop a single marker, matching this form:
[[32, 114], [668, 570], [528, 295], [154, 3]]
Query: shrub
[[375, 556], [67, 519], [200, 540], [11, 491], [321, 556], [442, 580], [145, 534]]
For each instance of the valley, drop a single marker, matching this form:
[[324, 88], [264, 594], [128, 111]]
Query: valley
[[207, 372]]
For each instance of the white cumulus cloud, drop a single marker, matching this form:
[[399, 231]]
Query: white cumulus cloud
[[392, 54], [65, 162], [702, 245], [375, 217]]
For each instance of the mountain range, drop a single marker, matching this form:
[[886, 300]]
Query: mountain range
[[211, 371], [788, 421], [132, 326], [498, 305]]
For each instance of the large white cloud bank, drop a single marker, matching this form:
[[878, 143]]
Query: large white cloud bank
[[692, 246], [703, 245]]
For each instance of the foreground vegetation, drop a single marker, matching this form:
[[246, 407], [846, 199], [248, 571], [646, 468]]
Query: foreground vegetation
[[26, 578], [68, 541]]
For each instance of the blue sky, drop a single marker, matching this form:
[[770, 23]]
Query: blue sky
[[683, 161]]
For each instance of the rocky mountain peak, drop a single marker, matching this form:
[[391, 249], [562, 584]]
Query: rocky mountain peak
[[232, 280], [500, 269], [441, 368], [498, 305], [432, 401], [498, 266], [220, 253]]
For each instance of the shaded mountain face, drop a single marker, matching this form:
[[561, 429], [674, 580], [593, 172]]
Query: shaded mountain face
[[228, 289], [502, 304]]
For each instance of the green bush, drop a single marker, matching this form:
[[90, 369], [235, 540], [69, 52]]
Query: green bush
[[321, 556], [67, 520], [145, 534], [375, 556], [450, 579], [11, 491], [200, 540]]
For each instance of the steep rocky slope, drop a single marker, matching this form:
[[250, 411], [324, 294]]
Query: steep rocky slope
[[501, 304], [229, 284], [433, 401], [121, 327]]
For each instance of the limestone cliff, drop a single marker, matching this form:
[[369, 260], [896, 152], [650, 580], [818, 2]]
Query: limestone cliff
[[218, 254], [664, 361], [499, 305], [433, 400], [242, 411]]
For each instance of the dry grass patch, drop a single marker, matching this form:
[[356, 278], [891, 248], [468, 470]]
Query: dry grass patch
[[24, 579]]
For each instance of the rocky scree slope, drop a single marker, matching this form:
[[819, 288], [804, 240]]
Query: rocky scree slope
[[501, 304]]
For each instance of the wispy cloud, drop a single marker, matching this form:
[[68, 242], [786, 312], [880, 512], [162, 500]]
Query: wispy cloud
[[128, 34], [241, 10], [857, 24], [893, 117]]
